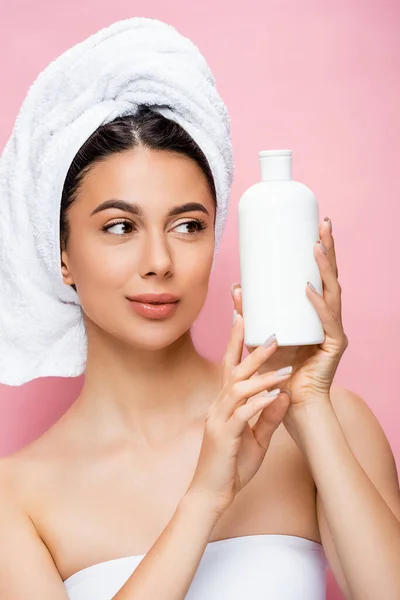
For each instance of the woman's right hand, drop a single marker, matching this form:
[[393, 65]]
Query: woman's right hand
[[232, 451]]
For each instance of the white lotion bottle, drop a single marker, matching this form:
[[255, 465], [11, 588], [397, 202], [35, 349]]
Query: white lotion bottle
[[278, 222]]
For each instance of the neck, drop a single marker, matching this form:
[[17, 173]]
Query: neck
[[145, 395]]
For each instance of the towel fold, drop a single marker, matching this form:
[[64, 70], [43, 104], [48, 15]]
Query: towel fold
[[132, 62]]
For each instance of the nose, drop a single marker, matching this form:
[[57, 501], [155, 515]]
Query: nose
[[156, 256]]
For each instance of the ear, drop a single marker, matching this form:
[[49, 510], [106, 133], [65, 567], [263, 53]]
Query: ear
[[65, 270]]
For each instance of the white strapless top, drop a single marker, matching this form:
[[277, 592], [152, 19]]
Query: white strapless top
[[256, 567]]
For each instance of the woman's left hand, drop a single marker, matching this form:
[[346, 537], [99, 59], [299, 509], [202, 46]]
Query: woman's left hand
[[314, 366]]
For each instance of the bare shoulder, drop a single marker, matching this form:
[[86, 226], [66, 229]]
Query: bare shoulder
[[347, 402], [354, 413], [11, 493], [5, 475], [366, 437], [9, 474], [356, 417], [12, 478], [25, 471]]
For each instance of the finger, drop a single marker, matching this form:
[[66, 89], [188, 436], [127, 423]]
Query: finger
[[331, 287], [329, 243], [244, 413], [270, 417], [233, 354], [237, 297], [330, 321], [252, 363], [241, 391]]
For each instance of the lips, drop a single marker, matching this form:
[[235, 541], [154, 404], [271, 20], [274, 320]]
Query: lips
[[152, 310], [152, 298]]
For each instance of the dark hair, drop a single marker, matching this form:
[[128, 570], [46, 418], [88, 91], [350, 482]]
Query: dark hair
[[146, 128]]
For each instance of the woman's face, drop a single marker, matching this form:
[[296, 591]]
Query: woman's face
[[137, 254]]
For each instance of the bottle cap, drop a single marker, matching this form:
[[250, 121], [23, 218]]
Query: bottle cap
[[276, 165]]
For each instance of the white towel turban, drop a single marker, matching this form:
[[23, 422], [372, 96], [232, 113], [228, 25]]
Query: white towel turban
[[132, 62]]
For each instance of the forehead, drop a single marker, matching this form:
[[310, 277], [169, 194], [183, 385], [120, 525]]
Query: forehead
[[144, 174]]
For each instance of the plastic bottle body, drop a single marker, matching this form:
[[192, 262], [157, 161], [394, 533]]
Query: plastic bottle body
[[278, 227]]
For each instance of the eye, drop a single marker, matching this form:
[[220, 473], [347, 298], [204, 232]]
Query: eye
[[108, 227], [200, 225]]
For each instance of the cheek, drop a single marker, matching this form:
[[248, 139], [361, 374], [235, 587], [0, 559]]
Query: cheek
[[103, 267], [195, 274], [193, 283], [103, 277]]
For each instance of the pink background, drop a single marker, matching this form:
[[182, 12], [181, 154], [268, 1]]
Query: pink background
[[318, 77]]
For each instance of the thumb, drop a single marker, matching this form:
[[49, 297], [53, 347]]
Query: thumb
[[270, 418]]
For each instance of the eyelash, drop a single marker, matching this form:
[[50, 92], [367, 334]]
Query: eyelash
[[201, 224]]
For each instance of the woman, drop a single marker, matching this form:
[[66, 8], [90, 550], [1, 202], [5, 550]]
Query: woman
[[172, 476]]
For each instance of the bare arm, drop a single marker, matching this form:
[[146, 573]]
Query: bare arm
[[167, 570], [371, 448], [27, 569], [359, 517]]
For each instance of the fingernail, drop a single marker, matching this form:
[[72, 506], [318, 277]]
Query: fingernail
[[269, 341], [284, 371], [327, 219], [234, 286], [274, 393], [322, 246], [288, 392], [235, 314], [311, 286]]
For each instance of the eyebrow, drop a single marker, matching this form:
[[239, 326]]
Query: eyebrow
[[135, 209]]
